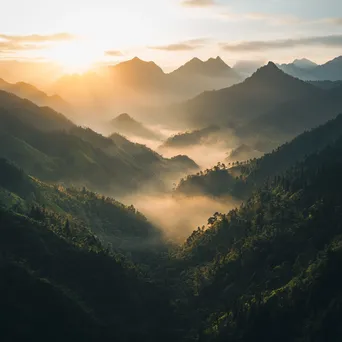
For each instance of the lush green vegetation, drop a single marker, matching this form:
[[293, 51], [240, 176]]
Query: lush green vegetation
[[118, 227], [79, 266], [269, 270], [31, 137], [240, 179]]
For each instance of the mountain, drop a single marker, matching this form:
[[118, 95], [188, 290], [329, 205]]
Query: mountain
[[47, 252], [243, 152], [331, 70], [263, 91], [304, 63], [30, 92], [43, 118], [327, 85], [213, 67], [267, 270], [241, 179], [149, 159], [137, 86], [300, 68], [125, 124], [138, 74], [190, 138], [309, 71], [247, 68], [293, 117], [111, 222], [50, 147]]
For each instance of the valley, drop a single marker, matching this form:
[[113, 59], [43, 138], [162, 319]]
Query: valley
[[194, 205]]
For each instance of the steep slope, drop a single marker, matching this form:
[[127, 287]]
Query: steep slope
[[28, 91], [264, 90], [213, 67], [52, 148], [121, 227], [190, 138], [293, 117], [139, 74], [300, 68], [267, 270], [331, 70], [327, 85], [125, 124], [174, 167], [43, 118], [241, 180], [52, 287]]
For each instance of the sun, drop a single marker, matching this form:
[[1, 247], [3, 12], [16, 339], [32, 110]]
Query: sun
[[74, 57]]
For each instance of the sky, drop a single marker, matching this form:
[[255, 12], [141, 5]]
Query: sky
[[79, 33]]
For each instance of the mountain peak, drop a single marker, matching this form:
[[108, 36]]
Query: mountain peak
[[304, 63], [270, 65], [213, 67], [268, 73], [123, 117]]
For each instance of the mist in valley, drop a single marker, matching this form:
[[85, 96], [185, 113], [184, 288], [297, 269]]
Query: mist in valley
[[178, 216]]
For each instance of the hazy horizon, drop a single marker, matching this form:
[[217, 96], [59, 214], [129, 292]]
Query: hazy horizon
[[77, 36]]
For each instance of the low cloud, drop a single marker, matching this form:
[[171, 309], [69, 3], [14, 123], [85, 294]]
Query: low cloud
[[333, 21], [271, 18], [113, 53], [8, 47], [186, 45], [15, 43], [198, 3], [36, 38], [246, 46]]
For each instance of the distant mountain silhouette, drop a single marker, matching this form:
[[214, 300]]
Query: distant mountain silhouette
[[331, 70], [190, 138], [126, 125], [304, 63], [213, 67], [136, 84], [247, 68], [265, 89], [43, 118], [243, 152], [30, 92], [137, 73], [307, 70]]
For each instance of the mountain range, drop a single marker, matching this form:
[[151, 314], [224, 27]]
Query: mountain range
[[267, 108], [78, 265], [310, 71], [49, 146], [126, 125], [30, 92]]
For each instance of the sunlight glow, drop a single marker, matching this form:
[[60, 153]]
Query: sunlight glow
[[75, 56]]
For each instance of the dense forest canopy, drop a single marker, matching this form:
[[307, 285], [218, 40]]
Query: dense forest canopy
[[81, 262]]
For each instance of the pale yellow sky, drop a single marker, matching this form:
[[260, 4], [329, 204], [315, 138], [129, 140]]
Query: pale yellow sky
[[169, 32]]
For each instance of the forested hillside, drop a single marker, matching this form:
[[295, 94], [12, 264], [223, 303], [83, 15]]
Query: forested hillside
[[269, 270], [241, 178], [50, 147], [57, 285]]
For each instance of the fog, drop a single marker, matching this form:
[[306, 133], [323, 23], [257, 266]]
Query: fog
[[177, 216]]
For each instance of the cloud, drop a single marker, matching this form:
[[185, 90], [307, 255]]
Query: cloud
[[260, 16], [198, 3], [326, 41], [186, 45], [113, 53], [7, 47], [15, 43], [333, 21], [37, 38]]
